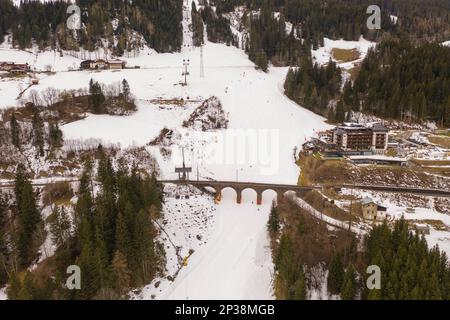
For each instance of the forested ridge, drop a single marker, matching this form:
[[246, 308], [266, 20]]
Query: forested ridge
[[117, 21], [404, 81], [335, 19], [396, 80]]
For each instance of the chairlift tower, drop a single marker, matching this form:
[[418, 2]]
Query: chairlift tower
[[183, 172], [185, 72]]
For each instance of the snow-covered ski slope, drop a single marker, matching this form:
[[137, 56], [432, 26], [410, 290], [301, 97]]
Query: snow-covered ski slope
[[254, 101], [233, 260], [236, 262]]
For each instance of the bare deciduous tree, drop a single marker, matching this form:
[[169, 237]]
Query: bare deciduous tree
[[34, 97], [50, 96]]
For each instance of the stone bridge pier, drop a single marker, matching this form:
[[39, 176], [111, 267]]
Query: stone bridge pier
[[259, 193], [281, 189], [240, 187]]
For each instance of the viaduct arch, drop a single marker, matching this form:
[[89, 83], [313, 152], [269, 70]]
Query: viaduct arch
[[239, 187]]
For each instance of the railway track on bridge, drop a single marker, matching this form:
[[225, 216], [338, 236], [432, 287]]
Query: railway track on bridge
[[261, 187]]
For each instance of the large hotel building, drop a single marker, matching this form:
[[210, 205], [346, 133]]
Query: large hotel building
[[355, 137]]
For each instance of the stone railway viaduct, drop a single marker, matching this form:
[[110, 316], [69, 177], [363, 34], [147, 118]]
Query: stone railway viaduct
[[281, 189], [239, 187]]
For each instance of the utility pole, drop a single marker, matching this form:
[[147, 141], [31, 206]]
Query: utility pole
[[185, 72], [202, 66], [183, 172], [184, 164]]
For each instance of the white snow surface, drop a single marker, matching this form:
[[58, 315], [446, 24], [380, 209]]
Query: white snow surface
[[394, 19], [236, 262], [233, 261], [254, 101], [3, 295], [17, 2], [323, 54]]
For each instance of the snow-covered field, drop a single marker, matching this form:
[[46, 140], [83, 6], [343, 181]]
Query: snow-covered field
[[323, 54]]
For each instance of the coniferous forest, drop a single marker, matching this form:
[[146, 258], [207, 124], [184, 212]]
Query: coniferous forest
[[409, 269], [314, 86], [397, 80], [159, 22], [404, 81], [109, 235]]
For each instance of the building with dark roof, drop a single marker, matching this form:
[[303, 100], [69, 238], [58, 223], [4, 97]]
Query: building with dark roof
[[356, 137], [86, 64]]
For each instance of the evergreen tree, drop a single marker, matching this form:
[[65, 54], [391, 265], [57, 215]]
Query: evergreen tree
[[59, 226], [28, 288], [38, 132], [273, 224], [126, 90], [15, 131], [121, 273], [314, 86], [197, 26], [96, 97], [29, 217], [286, 269], [14, 287], [401, 80], [261, 61], [300, 287], [335, 278], [340, 113], [348, 290], [122, 232], [4, 252], [217, 27], [55, 135]]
